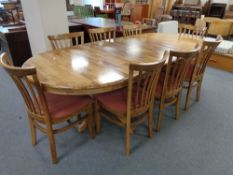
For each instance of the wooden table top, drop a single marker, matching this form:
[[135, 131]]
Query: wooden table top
[[97, 68]]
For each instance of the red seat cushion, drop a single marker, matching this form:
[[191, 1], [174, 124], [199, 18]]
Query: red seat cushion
[[189, 72], [115, 101], [61, 106], [159, 90]]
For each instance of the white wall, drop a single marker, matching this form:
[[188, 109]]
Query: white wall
[[44, 17], [218, 1]]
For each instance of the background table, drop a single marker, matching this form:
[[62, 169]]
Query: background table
[[97, 68]]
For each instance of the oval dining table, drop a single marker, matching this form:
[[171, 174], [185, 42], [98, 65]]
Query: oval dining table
[[101, 67]]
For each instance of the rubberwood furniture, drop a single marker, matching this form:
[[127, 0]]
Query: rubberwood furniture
[[102, 34], [66, 40], [196, 71], [131, 106], [46, 110], [171, 81], [101, 67], [131, 30]]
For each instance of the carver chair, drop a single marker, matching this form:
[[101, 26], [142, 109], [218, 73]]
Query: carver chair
[[66, 40], [196, 70], [170, 84], [46, 110], [131, 106]]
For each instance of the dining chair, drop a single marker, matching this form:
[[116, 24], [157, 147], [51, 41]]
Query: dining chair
[[102, 34], [46, 110], [66, 40], [131, 106], [131, 30], [168, 91], [196, 70], [192, 31]]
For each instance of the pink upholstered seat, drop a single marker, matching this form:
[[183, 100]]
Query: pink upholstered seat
[[115, 101], [61, 106], [190, 72]]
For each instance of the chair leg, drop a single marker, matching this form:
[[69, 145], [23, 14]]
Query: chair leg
[[150, 123], [90, 122], [178, 106], [198, 95], [160, 115], [97, 118], [127, 137], [188, 96], [33, 131], [52, 145]]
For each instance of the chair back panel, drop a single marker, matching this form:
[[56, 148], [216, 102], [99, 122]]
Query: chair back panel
[[177, 67], [187, 30], [143, 80], [28, 84], [131, 30], [102, 34], [208, 48], [66, 40]]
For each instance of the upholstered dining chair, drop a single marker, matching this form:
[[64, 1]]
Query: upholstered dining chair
[[131, 106], [196, 70], [46, 110], [102, 34], [66, 40], [170, 84], [131, 30]]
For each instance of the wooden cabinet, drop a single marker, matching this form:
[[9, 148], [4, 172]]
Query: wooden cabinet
[[14, 41], [139, 12], [111, 3]]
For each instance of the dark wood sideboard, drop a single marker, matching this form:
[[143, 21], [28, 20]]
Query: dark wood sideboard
[[14, 40]]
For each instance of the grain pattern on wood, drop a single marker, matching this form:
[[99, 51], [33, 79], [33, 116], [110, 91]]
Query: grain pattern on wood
[[97, 68]]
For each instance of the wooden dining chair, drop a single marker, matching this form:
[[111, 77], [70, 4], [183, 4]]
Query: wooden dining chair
[[66, 40], [192, 31], [46, 110], [131, 30], [170, 84], [131, 106], [102, 34], [196, 70]]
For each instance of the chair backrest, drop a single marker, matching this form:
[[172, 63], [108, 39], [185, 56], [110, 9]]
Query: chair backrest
[[97, 10], [66, 40], [142, 83], [28, 84], [88, 10], [131, 30], [192, 31], [79, 11], [176, 69], [208, 48], [170, 27], [102, 34]]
